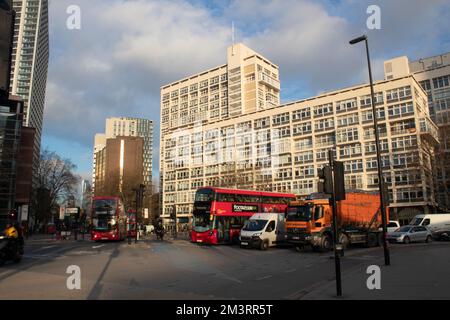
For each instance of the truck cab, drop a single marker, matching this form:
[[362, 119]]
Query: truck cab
[[263, 230], [304, 219]]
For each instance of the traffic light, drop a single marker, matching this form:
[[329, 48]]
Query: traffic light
[[339, 180], [326, 185]]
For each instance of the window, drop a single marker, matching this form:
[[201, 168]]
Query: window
[[280, 119], [350, 150], [302, 114], [281, 132], [323, 110], [353, 166], [399, 93], [302, 129], [304, 144], [347, 105], [366, 101], [324, 124], [347, 135], [402, 109], [304, 157], [441, 82], [348, 120], [262, 123], [304, 172]]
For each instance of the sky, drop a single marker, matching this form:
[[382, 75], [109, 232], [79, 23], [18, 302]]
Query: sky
[[125, 50]]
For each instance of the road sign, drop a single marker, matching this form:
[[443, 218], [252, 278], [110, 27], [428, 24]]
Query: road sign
[[146, 213]]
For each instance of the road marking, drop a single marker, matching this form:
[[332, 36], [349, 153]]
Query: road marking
[[96, 247], [290, 270], [43, 248], [263, 278]]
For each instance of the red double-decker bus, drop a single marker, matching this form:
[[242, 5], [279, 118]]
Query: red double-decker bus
[[219, 214], [109, 221]]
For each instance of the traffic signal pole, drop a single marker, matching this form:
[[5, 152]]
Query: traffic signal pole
[[337, 258]]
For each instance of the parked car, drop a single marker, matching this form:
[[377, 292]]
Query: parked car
[[408, 234], [391, 226], [443, 235]]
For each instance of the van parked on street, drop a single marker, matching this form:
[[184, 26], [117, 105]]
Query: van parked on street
[[436, 223], [263, 230]]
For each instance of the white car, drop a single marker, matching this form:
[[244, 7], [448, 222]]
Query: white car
[[391, 226]]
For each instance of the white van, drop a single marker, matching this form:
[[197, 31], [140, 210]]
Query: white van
[[434, 222], [263, 230]]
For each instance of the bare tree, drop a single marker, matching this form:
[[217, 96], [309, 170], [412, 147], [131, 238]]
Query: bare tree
[[55, 182]]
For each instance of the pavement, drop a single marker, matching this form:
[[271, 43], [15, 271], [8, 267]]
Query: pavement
[[416, 271], [180, 270]]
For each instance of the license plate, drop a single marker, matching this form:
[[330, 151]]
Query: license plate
[[104, 238], [296, 238], [244, 243], [199, 240]]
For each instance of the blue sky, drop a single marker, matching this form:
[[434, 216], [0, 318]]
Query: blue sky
[[127, 49]]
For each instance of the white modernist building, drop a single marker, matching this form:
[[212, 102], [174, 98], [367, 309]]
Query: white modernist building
[[225, 127]]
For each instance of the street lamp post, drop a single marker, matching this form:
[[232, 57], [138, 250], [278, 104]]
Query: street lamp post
[[387, 260]]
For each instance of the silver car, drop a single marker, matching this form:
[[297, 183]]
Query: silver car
[[407, 234]]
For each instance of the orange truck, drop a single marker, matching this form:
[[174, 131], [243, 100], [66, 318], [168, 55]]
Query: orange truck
[[309, 222]]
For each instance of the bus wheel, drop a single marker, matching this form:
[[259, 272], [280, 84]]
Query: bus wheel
[[264, 245]]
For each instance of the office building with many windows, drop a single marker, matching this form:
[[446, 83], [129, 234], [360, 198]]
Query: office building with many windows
[[280, 147], [433, 74]]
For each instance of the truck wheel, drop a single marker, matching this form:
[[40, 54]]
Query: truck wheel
[[380, 239], [372, 240], [326, 244], [406, 240], [299, 248], [264, 245], [343, 240]]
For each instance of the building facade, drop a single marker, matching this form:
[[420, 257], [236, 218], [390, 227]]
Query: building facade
[[433, 74], [30, 62], [10, 133], [128, 127], [280, 147], [119, 167]]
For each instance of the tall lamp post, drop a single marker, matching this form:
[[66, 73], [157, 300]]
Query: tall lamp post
[[387, 259]]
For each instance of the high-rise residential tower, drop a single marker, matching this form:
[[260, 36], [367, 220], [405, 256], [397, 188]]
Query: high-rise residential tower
[[30, 62]]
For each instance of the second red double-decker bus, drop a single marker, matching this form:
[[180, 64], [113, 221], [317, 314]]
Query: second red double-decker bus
[[219, 214], [109, 221]]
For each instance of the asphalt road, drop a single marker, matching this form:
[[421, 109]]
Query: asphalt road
[[177, 269]]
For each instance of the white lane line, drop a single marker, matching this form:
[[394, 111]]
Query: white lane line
[[43, 248], [263, 278], [290, 270], [96, 247]]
